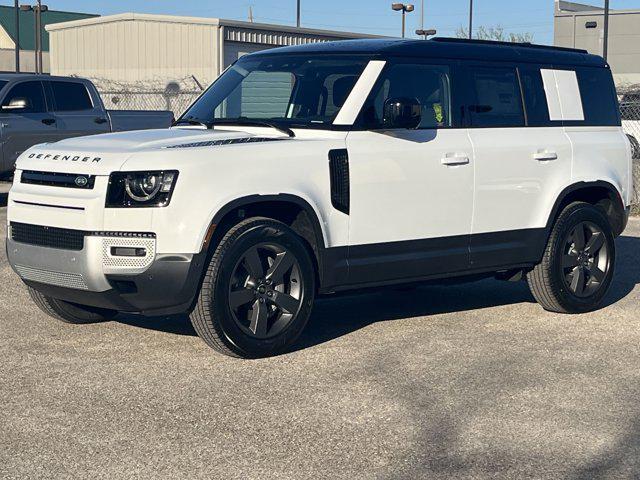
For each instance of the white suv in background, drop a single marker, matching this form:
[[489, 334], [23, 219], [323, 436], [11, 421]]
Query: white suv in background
[[307, 170]]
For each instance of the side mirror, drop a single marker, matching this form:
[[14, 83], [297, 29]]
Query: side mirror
[[16, 103], [402, 112]]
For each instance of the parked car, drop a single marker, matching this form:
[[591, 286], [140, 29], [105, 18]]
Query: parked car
[[42, 109], [313, 169]]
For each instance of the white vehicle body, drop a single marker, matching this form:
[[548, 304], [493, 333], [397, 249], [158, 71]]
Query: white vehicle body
[[420, 203]]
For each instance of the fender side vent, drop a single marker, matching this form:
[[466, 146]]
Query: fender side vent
[[339, 176]]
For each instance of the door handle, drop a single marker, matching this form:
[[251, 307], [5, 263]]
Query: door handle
[[100, 120], [545, 156], [451, 159], [48, 121]]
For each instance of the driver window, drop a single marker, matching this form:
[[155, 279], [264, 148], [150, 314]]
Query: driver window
[[26, 97], [429, 84]]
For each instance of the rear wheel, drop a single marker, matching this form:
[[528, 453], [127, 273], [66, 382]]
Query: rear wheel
[[70, 312], [578, 265], [258, 291]]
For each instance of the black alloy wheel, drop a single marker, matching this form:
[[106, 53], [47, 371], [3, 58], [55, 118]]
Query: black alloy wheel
[[265, 291], [586, 260]]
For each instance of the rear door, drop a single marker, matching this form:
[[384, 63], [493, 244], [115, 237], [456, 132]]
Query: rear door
[[411, 190], [76, 111], [24, 120], [522, 160]]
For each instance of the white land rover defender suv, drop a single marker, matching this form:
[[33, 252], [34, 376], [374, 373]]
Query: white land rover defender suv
[[312, 169]]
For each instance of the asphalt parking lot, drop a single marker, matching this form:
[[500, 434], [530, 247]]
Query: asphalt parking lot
[[467, 381]]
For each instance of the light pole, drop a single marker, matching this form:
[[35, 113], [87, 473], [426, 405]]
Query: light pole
[[17, 12], [404, 8], [426, 33], [470, 19], [37, 12], [605, 43], [298, 14]]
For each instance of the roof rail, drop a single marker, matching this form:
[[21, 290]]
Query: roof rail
[[507, 44]]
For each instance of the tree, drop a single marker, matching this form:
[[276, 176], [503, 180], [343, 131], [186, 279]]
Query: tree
[[495, 33]]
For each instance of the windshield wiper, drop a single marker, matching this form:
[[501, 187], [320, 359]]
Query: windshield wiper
[[190, 121], [254, 123]]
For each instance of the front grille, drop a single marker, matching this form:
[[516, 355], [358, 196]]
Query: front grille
[[50, 237], [52, 179]]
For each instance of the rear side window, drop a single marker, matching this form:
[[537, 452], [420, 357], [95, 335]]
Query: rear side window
[[495, 97], [26, 97], [599, 99], [70, 96], [535, 98]]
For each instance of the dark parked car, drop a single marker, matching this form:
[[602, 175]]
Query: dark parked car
[[41, 108]]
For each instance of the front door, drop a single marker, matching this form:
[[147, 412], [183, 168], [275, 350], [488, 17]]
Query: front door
[[76, 113], [24, 121], [411, 189]]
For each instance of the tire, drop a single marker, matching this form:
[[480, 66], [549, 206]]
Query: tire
[[249, 306], [70, 312], [574, 274]]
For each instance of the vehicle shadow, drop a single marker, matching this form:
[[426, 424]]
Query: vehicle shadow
[[339, 315]]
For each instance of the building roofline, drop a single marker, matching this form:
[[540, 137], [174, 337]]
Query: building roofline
[[120, 17]]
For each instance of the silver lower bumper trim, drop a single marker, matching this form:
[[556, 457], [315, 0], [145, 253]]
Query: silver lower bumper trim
[[60, 279]]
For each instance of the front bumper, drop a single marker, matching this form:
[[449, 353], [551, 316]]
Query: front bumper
[[153, 285]]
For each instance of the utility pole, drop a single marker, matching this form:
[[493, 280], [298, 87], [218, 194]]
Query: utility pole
[[298, 14], [470, 19], [422, 15], [17, 39], [41, 8], [250, 14], [605, 46]]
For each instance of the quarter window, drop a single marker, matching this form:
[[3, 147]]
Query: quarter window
[[26, 97], [496, 99], [599, 99], [71, 96], [429, 84]]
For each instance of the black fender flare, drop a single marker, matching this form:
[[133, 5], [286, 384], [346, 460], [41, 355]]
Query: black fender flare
[[615, 194]]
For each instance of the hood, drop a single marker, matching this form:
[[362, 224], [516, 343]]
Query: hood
[[106, 153]]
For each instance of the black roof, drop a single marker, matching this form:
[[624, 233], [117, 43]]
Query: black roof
[[449, 48]]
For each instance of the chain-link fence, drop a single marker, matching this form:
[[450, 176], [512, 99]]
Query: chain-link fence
[[630, 109], [176, 95]]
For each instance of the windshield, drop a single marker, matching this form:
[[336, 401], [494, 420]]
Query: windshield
[[293, 91]]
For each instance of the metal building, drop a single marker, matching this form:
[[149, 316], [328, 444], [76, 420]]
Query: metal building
[[161, 61], [582, 26]]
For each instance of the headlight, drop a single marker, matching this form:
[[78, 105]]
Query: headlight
[[141, 189]]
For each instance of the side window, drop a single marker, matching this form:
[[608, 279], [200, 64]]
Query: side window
[[429, 84], [495, 93], [535, 98], [70, 96], [599, 99], [26, 97]]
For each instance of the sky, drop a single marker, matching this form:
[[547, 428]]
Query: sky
[[368, 16]]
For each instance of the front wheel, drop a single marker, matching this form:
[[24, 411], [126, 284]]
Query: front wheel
[[258, 291], [578, 264]]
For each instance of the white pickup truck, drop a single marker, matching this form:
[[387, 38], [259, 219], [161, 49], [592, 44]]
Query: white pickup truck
[[308, 170], [42, 108]]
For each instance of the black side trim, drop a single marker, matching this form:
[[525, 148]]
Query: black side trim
[[383, 262], [339, 178], [66, 207], [497, 249]]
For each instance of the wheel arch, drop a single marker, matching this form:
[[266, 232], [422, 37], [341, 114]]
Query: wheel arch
[[599, 193], [291, 209]]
